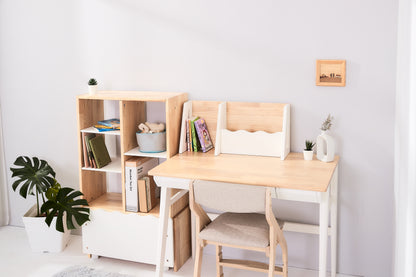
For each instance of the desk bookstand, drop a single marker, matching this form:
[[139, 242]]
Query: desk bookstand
[[260, 129]]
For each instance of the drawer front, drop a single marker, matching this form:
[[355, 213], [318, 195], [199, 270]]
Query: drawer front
[[298, 195], [129, 237]]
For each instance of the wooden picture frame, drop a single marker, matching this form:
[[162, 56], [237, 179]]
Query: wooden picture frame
[[330, 73]]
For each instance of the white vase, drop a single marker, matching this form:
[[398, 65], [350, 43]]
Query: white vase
[[43, 238], [307, 155], [325, 147], [92, 89]]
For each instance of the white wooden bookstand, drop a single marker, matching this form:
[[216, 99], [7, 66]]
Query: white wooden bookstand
[[242, 128], [261, 129], [208, 110]]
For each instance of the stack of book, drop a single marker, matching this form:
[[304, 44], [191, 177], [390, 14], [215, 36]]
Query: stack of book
[[108, 125], [197, 135], [95, 152], [140, 188]]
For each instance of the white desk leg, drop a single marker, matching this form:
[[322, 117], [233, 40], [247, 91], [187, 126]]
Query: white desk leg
[[165, 202], [323, 232], [334, 211]]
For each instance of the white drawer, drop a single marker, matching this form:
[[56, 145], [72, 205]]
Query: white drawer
[[131, 237]]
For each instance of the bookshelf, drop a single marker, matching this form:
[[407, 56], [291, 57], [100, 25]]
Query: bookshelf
[[106, 197]]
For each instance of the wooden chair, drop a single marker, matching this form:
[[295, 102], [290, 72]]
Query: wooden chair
[[248, 223]]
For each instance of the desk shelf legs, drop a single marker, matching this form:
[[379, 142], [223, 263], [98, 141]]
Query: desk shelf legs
[[334, 214], [323, 232], [165, 203]]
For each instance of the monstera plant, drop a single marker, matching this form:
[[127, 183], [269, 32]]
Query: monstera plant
[[62, 200], [34, 177], [60, 205]]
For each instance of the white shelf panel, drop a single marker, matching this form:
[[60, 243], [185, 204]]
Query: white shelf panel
[[114, 166], [136, 152], [95, 131]]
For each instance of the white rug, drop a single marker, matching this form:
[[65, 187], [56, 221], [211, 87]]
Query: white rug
[[84, 271]]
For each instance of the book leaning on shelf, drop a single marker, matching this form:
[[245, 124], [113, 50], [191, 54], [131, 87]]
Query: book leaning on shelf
[[89, 160], [147, 193], [204, 138], [192, 141], [197, 135], [99, 151], [135, 169]]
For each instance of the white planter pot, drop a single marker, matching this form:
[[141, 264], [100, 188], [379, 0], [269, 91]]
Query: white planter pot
[[325, 147], [43, 238], [307, 155], [92, 89]]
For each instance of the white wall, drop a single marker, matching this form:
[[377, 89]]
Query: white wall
[[261, 51]]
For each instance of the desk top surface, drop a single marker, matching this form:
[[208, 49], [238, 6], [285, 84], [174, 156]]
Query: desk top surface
[[292, 173]]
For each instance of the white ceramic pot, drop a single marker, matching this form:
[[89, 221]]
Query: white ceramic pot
[[307, 155], [92, 89], [43, 238], [325, 147]]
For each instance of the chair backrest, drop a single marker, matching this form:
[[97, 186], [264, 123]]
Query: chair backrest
[[229, 197]]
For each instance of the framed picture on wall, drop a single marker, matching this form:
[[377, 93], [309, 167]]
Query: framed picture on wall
[[330, 73]]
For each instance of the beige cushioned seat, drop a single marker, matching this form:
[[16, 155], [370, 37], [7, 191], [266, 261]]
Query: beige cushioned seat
[[245, 229]]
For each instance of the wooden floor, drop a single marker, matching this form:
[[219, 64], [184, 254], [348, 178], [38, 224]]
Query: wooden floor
[[16, 259]]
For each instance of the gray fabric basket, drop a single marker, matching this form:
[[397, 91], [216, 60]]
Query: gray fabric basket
[[151, 142]]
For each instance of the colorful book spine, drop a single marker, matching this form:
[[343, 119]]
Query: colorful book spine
[[113, 123], [195, 142], [188, 143], [132, 194], [90, 156], [136, 168], [203, 135], [190, 136], [100, 152]]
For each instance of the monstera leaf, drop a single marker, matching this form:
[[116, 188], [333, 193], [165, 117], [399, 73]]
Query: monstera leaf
[[34, 177], [62, 200]]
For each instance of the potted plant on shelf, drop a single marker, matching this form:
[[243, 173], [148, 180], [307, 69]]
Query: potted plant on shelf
[[59, 208], [308, 151], [92, 86], [325, 145]]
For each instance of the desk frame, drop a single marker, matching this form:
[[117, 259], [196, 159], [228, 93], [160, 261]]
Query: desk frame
[[327, 200]]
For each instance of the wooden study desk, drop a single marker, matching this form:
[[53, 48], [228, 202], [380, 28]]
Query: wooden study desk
[[293, 179]]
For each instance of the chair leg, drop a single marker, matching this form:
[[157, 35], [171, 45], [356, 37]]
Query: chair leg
[[219, 258], [272, 259], [284, 258], [198, 258]]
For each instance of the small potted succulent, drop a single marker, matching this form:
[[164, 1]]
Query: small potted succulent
[[308, 151], [60, 207], [92, 86]]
